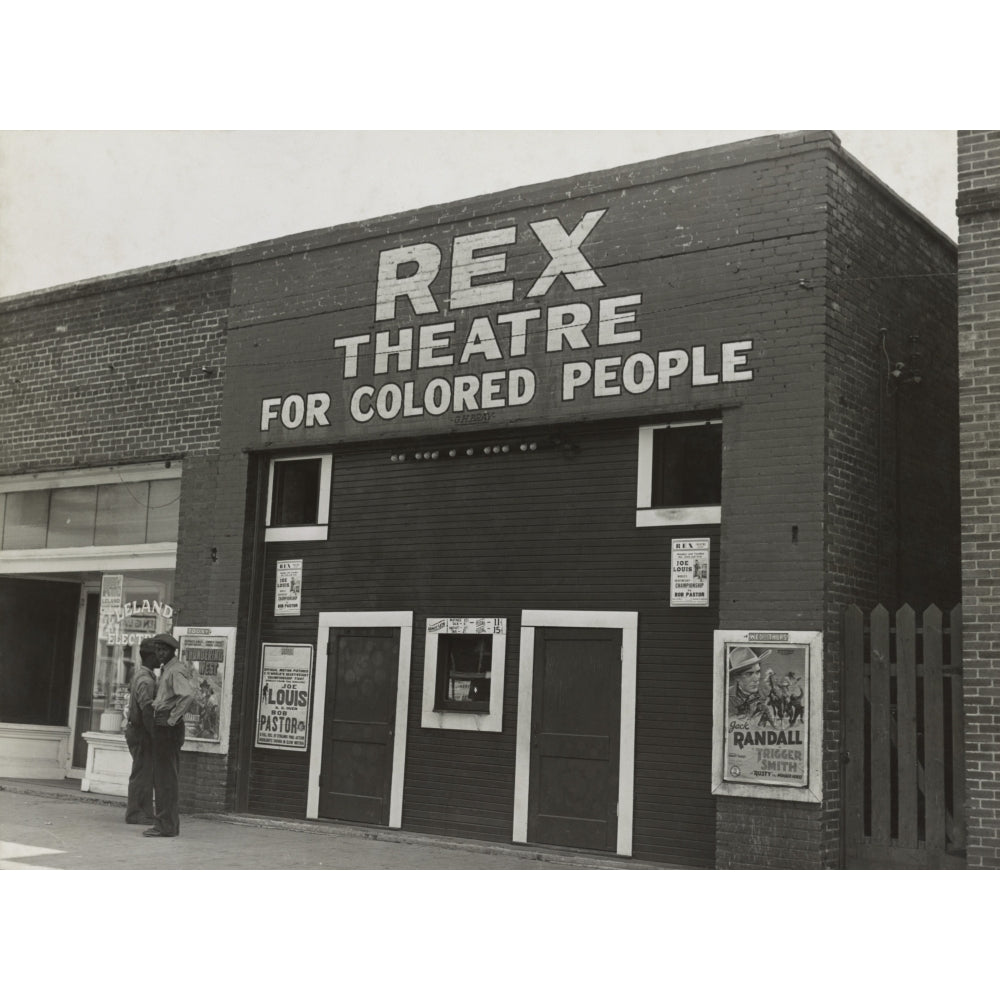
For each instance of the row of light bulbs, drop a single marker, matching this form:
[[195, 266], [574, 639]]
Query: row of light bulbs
[[490, 449]]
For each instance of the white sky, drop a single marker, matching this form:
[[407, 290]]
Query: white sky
[[76, 204]]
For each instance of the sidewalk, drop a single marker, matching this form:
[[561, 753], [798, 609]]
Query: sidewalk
[[493, 855]]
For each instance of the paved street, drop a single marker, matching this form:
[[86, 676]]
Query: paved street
[[41, 831]]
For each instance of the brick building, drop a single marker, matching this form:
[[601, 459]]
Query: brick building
[[503, 500], [979, 365]]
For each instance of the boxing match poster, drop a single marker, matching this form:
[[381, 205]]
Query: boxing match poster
[[768, 714]]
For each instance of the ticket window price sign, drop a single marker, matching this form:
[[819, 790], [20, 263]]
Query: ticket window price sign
[[210, 652], [768, 715], [283, 698]]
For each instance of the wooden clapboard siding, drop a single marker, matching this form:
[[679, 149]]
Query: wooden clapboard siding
[[492, 536]]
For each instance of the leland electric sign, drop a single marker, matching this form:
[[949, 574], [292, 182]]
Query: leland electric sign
[[452, 339]]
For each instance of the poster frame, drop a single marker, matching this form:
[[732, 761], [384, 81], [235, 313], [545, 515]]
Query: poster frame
[[228, 632], [812, 642]]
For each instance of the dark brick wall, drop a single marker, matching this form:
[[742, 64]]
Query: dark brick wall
[[979, 332], [888, 489], [123, 370]]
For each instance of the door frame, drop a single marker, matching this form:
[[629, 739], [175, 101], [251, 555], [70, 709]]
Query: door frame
[[627, 622], [403, 620]]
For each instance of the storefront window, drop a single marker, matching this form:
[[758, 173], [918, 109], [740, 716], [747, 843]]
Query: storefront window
[[132, 608], [121, 513], [71, 517], [118, 513], [26, 517], [164, 507]]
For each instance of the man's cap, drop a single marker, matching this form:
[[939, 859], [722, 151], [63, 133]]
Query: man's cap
[[743, 658], [166, 639], [147, 643]]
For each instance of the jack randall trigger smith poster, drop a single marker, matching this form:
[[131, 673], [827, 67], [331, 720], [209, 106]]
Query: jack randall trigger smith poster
[[767, 740]]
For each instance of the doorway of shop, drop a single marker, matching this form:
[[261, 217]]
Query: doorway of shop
[[360, 733], [576, 730]]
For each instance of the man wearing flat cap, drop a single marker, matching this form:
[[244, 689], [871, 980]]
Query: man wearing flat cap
[[174, 694], [744, 682]]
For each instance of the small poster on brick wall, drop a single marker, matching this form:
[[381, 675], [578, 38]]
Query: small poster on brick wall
[[288, 587], [768, 714], [689, 572]]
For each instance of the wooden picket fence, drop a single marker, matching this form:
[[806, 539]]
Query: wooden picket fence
[[904, 765]]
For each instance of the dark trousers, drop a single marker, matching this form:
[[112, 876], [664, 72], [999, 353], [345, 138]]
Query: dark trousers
[[140, 781], [167, 743]]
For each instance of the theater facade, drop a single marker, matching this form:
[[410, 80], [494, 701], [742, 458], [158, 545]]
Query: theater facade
[[508, 494]]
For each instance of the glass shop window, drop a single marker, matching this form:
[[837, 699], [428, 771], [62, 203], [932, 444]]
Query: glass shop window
[[298, 503], [464, 672], [121, 513], [680, 473]]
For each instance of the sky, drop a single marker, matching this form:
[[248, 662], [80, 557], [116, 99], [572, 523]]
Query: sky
[[76, 204]]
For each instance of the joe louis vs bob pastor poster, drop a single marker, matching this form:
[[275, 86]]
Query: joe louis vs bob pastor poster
[[767, 720]]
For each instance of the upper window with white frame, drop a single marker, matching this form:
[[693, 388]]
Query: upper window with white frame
[[298, 498], [680, 473]]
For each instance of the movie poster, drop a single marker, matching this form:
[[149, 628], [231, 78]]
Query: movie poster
[[210, 652], [768, 727]]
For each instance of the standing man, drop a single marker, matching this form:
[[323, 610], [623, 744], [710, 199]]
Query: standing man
[[174, 693], [139, 736]]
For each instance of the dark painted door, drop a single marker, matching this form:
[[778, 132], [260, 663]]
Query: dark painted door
[[576, 709], [358, 724]]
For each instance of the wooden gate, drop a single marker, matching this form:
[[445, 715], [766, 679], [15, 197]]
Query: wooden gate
[[904, 761]]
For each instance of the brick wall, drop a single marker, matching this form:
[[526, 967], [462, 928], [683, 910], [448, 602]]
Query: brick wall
[[892, 474], [979, 369], [123, 370]]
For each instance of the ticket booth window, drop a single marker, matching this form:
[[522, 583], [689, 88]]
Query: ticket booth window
[[464, 672]]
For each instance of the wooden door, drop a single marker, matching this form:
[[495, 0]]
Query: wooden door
[[358, 725], [575, 719]]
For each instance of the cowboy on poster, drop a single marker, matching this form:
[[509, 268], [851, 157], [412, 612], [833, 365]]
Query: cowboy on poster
[[768, 714]]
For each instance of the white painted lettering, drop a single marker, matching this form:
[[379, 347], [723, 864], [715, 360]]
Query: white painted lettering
[[432, 339], [402, 350], [293, 411], [317, 404], [638, 374], [733, 357], [605, 377], [575, 374], [269, 411], [698, 376], [670, 364], [609, 318], [567, 323], [416, 286], [519, 329], [465, 266], [350, 346], [361, 408], [481, 341], [564, 250], [466, 387]]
